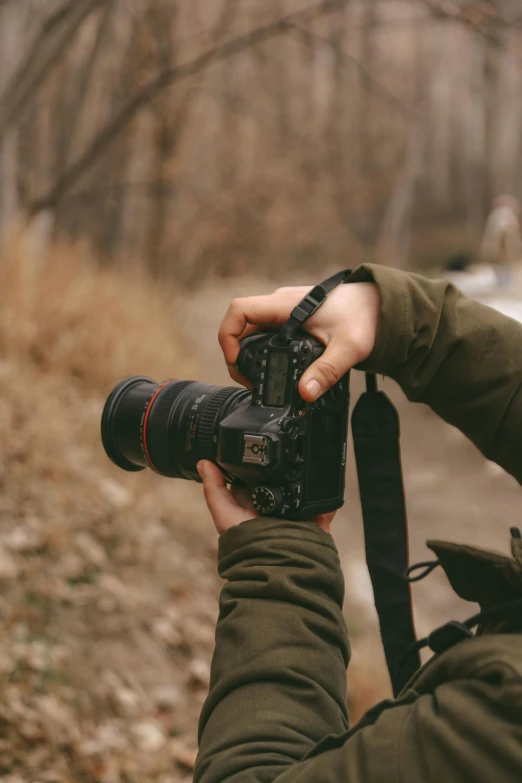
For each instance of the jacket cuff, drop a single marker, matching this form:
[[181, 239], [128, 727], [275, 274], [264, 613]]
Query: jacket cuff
[[263, 529]]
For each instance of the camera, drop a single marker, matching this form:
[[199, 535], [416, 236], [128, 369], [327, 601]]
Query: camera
[[290, 454]]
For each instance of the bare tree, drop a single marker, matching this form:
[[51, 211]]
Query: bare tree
[[55, 36], [199, 134], [162, 81]]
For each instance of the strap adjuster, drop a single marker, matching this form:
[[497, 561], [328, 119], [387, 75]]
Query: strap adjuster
[[309, 304], [447, 635]]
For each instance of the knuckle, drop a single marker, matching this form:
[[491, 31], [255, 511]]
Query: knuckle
[[237, 305], [330, 369]]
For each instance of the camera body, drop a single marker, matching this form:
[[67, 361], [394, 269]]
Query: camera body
[[291, 454]]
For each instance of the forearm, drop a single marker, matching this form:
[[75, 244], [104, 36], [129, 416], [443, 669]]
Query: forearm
[[458, 356], [278, 682]]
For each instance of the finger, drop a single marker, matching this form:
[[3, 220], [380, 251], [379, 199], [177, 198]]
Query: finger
[[232, 370], [236, 376], [214, 485], [243, 496], [339, 357], [324, 521], [301, 289], [270, 310], [225, 511], [251, 329]]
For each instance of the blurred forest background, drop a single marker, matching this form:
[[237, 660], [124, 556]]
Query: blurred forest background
[[158, 157], [222, 134]]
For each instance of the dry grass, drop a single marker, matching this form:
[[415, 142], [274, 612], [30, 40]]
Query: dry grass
[[105, 644], [68, 316]]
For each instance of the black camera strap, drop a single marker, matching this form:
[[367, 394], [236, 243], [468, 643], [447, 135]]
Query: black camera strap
[[376, 431]]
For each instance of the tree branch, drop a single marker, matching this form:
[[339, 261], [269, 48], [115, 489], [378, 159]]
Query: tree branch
[[164, 80], [73, 113], [33, 49], [369, 80], [480, 19], [111, 189], [43, 55]]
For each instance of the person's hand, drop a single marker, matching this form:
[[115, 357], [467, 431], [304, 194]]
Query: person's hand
[[346, 323], [230, 507]]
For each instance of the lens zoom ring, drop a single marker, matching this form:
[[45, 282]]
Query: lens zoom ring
[[158, 432], [209, 417]]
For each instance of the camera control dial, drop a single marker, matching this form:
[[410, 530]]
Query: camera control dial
[[267, 500], [286, 425]]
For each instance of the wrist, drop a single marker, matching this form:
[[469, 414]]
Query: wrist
[[394, 315]]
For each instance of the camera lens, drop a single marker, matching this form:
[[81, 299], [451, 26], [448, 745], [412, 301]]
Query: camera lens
[[167, 426]]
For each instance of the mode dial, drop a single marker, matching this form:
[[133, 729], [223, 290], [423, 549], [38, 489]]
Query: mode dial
[[267, 500]]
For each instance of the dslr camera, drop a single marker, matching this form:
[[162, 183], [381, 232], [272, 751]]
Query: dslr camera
[[290, 454]]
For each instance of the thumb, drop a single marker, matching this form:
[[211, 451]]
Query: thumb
[[337, 359]]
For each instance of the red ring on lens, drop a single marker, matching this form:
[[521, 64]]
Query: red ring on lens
[[146, 418]]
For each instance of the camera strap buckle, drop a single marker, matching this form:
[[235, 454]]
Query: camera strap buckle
[[309, 304]]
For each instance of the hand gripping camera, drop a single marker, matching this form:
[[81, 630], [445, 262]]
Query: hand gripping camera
[[290, 454]]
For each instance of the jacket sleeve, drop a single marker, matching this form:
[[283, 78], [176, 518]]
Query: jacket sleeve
[[277, 685], [278, 678], [458, 356], [467, 731]]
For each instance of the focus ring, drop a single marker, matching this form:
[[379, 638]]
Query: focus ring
[[209, 417], [157, 434]]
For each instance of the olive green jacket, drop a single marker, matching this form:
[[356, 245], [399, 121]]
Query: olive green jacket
[[276, 710]]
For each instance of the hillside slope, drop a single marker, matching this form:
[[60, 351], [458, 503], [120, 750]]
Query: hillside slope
[[107, 580]]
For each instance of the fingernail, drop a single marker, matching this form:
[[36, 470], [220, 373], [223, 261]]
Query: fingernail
[[201, 469], [314, 388]]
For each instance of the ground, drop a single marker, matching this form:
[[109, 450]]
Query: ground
[[108, 585]]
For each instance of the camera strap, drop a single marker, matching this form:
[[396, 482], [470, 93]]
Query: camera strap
[[376, 432]]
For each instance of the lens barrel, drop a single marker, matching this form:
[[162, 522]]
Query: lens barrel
[[167, 426]]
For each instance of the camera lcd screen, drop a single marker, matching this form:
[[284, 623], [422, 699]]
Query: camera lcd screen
[[275, 385]]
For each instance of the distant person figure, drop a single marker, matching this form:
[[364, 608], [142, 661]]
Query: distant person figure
[[502, 243], [471, 278], [459, 262]]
